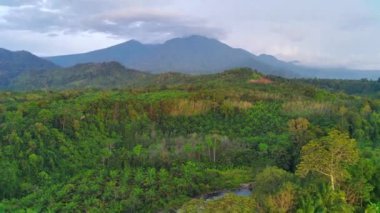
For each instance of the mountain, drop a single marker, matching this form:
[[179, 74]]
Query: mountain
[[189, 55], [194, 54], [200, 55], [90, 75], [14, 63]]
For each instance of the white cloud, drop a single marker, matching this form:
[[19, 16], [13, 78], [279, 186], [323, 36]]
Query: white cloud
[[322, 32], [55, 43]]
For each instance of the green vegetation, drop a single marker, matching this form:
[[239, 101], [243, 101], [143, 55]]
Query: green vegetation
[[362, 87], [102, 75], [14, 63], [159, 146], [112, 75]]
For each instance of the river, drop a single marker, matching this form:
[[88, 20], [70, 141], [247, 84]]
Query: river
[[244, 191]]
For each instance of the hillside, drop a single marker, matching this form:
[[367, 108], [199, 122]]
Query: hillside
[[90, 75], [14, 63], [357, 87], [108, 75]]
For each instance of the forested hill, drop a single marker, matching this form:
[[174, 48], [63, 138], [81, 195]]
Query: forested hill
[[91, 75], [159, 147], [13, 63], [358, 87], [109, 75]]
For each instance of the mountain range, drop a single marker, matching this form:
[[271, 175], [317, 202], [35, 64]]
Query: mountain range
[[200, 55], [194, 54], [106, 68]]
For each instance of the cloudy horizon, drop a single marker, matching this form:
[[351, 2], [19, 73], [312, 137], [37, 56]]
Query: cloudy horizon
[[317, 32]]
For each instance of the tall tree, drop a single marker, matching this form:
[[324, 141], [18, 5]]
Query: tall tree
[[298, 129], [329, 156]]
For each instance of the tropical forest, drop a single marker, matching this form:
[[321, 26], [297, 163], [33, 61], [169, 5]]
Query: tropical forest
[[296, 145], [189, 106]]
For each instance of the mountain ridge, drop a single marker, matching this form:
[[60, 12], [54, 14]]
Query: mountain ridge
[[193, 54], [202, 55], [113, 75], [190, 55], [12, 63], [80, 76]]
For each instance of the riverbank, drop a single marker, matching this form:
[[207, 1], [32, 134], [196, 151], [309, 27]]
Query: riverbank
[[244, 190]]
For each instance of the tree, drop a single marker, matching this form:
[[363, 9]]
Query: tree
[[298, 128], [213, 141], [357, 188], [8, 179], [329, 156], [274, 190]]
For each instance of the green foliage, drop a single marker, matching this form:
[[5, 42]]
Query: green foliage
[[321, 198], [329, 156], [103, 75], [373, 208], [232, 178], [154, 148], [275, 190], [363, 87]]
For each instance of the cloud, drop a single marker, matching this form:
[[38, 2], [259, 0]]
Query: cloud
[[42, 26], [57, 43], [359, 22], [147, 24], [17, 2], [34, 18], [317, 32], [323, 33]]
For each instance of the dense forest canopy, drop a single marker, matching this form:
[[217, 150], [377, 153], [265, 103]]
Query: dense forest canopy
[[158, 147]]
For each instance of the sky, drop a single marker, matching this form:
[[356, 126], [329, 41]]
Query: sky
[[338, 33]]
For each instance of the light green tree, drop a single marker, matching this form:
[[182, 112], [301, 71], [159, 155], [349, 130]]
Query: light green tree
[[329, 156]]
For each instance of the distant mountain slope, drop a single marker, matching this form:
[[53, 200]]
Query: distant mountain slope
[[318, 72], [197, 54], [194, 54], [14, 63], [90, 75]]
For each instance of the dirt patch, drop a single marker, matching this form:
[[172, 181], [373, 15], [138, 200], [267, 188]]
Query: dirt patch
[[262, 80]]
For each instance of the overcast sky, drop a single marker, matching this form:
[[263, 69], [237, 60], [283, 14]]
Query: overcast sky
[[314, 32]]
